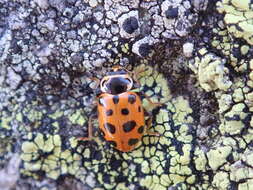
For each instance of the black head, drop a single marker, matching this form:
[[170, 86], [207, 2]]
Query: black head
[[116, 82]]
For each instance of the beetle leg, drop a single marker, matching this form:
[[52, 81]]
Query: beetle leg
[[155, 104], [149, 125], [90, 127], [97, 81], [135, 75], [116, 67]]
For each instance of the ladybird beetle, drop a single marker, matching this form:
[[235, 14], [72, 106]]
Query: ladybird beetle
[[120, 112]]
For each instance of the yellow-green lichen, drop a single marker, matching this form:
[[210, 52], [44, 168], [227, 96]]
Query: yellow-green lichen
[[225, 102], [147, 78], [78, 117], [238, 171], [200, 160], [57, 114], [211, 72], [6, 122], [217, 157], [44, 153], [238, 18], [33, 115], [180, 158], [247, 157], [182, 111], [158, 162], [221, 180], [248, 185], [244, 49], [238, 95], [233, 120]]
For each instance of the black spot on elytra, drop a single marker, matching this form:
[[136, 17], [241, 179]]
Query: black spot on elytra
[[124, 111], [109, 112], [132, 142], [109, 127], [139, 109], [113, 143], [131, 98], [141, 129], [129, 126], [115, 99]]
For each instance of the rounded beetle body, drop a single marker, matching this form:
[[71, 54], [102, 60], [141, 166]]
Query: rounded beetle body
[[121, 119], [120, 112]]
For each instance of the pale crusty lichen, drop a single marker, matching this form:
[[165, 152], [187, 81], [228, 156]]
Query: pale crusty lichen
[[233, 123], [200, 159], [238, 18], [44, 153], [217, 156], [78, 118], [246, 186], [221, 180], [225, 155], [45, 117], [211, 71]]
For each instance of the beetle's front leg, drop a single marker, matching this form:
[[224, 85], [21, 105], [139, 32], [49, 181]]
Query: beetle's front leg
[[135, 76], [155, 104], [90, 126]]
